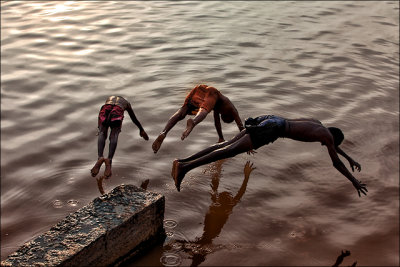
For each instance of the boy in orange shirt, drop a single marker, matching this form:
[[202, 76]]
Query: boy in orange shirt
[[202, 100]]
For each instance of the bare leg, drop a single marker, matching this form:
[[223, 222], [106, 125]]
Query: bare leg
[[111, 151], [241, 145], [179, 115], [101, 141], [207, 150], [200, 116], [306, 119], [214, 147], [113, 142]]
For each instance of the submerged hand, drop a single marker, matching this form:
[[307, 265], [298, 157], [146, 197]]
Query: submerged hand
[[360, 187], [144, 135]]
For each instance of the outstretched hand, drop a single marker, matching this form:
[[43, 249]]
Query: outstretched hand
[[252, 152], [356, 165], [345, 253], [248, 168], [144, 135], [360, 187]]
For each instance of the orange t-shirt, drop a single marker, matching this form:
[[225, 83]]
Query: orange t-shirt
[[202, 96]]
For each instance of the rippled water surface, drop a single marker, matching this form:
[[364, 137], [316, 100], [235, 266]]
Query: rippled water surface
[[334, 61]]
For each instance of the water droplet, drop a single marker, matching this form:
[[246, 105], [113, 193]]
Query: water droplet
[[58, 204], [207, 250], [72, 202], [188, 246], [170, 224], [177, 246], [169, 234], [293, 234], [170, 259]]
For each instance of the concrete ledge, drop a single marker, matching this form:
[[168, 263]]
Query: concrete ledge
[[108, 231]]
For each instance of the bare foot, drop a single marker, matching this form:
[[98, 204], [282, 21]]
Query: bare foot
[[100, 184], [178, 174], [157, 143], [189, 128], [107, 172], [95, 170]]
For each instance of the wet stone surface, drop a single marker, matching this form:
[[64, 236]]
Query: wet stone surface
[[108, 230]]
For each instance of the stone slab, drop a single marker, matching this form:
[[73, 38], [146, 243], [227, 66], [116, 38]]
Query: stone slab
[[107, 231]]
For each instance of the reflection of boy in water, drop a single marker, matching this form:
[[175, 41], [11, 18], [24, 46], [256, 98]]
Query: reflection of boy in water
[[222, 205], [266, 129], [218, 214], [339, 259], [111, 116], [202, 100]]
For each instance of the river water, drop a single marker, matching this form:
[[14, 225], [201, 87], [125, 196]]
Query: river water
[[334, 61]]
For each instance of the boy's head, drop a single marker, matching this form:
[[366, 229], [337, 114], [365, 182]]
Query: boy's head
[[337, 135]]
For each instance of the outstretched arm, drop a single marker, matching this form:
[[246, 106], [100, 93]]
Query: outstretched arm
[[338, 164], [217, 122], [352, 162], [238, 121], [136, 121], [248, 168], [339, 259], [179, 115]]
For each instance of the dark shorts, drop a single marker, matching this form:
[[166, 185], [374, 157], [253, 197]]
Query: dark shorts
[[265, 129], [111, 116], [192, 109]]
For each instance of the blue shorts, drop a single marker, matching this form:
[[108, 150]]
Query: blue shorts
[[265, 129]]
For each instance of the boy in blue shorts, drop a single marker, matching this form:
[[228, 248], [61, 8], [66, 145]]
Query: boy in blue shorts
[[266, 129]]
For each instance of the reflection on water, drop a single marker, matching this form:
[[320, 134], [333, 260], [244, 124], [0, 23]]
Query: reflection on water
[[58, 204], [222, 204], [72, 202], [100, 180], [170, 259], [170, 224], [340, 258]]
